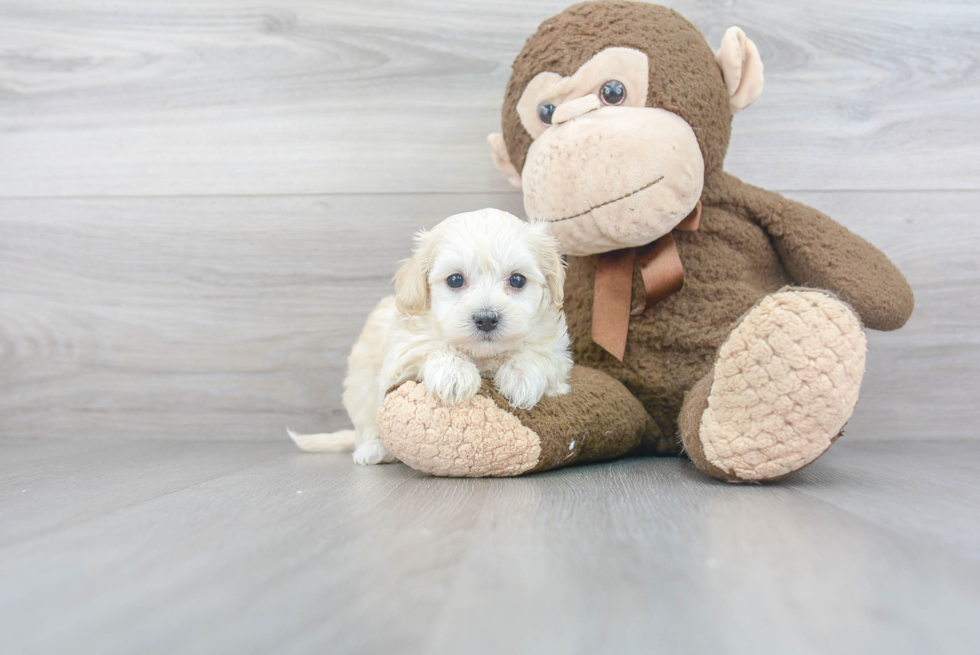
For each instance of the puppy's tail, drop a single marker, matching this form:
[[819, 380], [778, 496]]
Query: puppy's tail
[[332, 442]]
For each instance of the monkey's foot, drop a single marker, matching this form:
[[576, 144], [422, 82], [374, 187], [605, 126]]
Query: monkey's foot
[[485, 437], [784, 384]]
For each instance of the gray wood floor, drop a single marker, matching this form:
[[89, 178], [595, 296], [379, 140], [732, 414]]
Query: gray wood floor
[[157, 546]]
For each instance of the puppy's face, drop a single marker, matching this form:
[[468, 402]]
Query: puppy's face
[[486, 278]]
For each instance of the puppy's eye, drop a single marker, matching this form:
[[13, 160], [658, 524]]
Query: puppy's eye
[[517, 281], [613, 92], [545, 111], [455, 280]]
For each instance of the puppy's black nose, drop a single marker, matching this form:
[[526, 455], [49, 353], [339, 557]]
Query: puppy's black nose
[[486, 321]]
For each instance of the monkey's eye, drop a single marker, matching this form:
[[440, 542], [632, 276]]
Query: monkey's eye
[[613, 92], [455, 280], [517, 281], [545, 111]]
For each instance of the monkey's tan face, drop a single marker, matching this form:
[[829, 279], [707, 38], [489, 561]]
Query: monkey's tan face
[[605, 170]]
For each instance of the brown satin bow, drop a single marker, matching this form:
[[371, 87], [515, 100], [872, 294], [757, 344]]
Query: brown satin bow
[[663, 275]]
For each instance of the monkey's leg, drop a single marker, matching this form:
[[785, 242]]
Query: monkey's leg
[[484, 437], [783, 386]]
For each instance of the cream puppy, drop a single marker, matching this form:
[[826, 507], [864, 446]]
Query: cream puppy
[[480, 297]]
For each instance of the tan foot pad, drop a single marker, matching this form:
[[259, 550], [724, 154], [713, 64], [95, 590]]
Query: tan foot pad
[[473, 439], [785, 383]]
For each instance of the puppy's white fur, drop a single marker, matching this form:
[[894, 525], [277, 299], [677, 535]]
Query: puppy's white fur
[[427, 330]]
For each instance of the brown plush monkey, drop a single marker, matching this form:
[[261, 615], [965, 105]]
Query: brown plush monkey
[[713, 316]]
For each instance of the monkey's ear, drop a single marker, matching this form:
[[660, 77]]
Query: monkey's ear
[[741, 67], [412, 279], [498, 150]]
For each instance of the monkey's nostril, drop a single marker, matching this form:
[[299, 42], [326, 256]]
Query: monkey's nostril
[[486, 321]]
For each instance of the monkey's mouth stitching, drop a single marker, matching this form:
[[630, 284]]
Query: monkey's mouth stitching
[[609, 202]]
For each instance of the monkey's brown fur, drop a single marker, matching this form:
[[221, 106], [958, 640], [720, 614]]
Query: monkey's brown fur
[[751, 242]]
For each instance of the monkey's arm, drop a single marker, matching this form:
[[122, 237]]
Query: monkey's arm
[[821, 253]]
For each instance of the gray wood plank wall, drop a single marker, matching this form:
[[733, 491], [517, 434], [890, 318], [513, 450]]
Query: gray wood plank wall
[[201, 200]]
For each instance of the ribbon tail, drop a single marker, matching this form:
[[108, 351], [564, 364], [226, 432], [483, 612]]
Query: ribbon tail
[[663, 275], [611, 303], [662, 271]]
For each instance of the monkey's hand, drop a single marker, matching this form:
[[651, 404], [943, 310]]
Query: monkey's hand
[[451, 378], [819, 252]]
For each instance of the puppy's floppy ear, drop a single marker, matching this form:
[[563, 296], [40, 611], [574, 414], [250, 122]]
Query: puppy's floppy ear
[[547, 253], [412, 279]]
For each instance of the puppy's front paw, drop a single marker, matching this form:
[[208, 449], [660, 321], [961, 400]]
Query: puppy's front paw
[[372, 452], [451, 379], [522, 384]]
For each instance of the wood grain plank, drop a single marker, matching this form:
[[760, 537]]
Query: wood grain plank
[[251, 562], [217, 97], [230, 318], [651, 558], [913, 489], [630, 557], [55, 483]]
